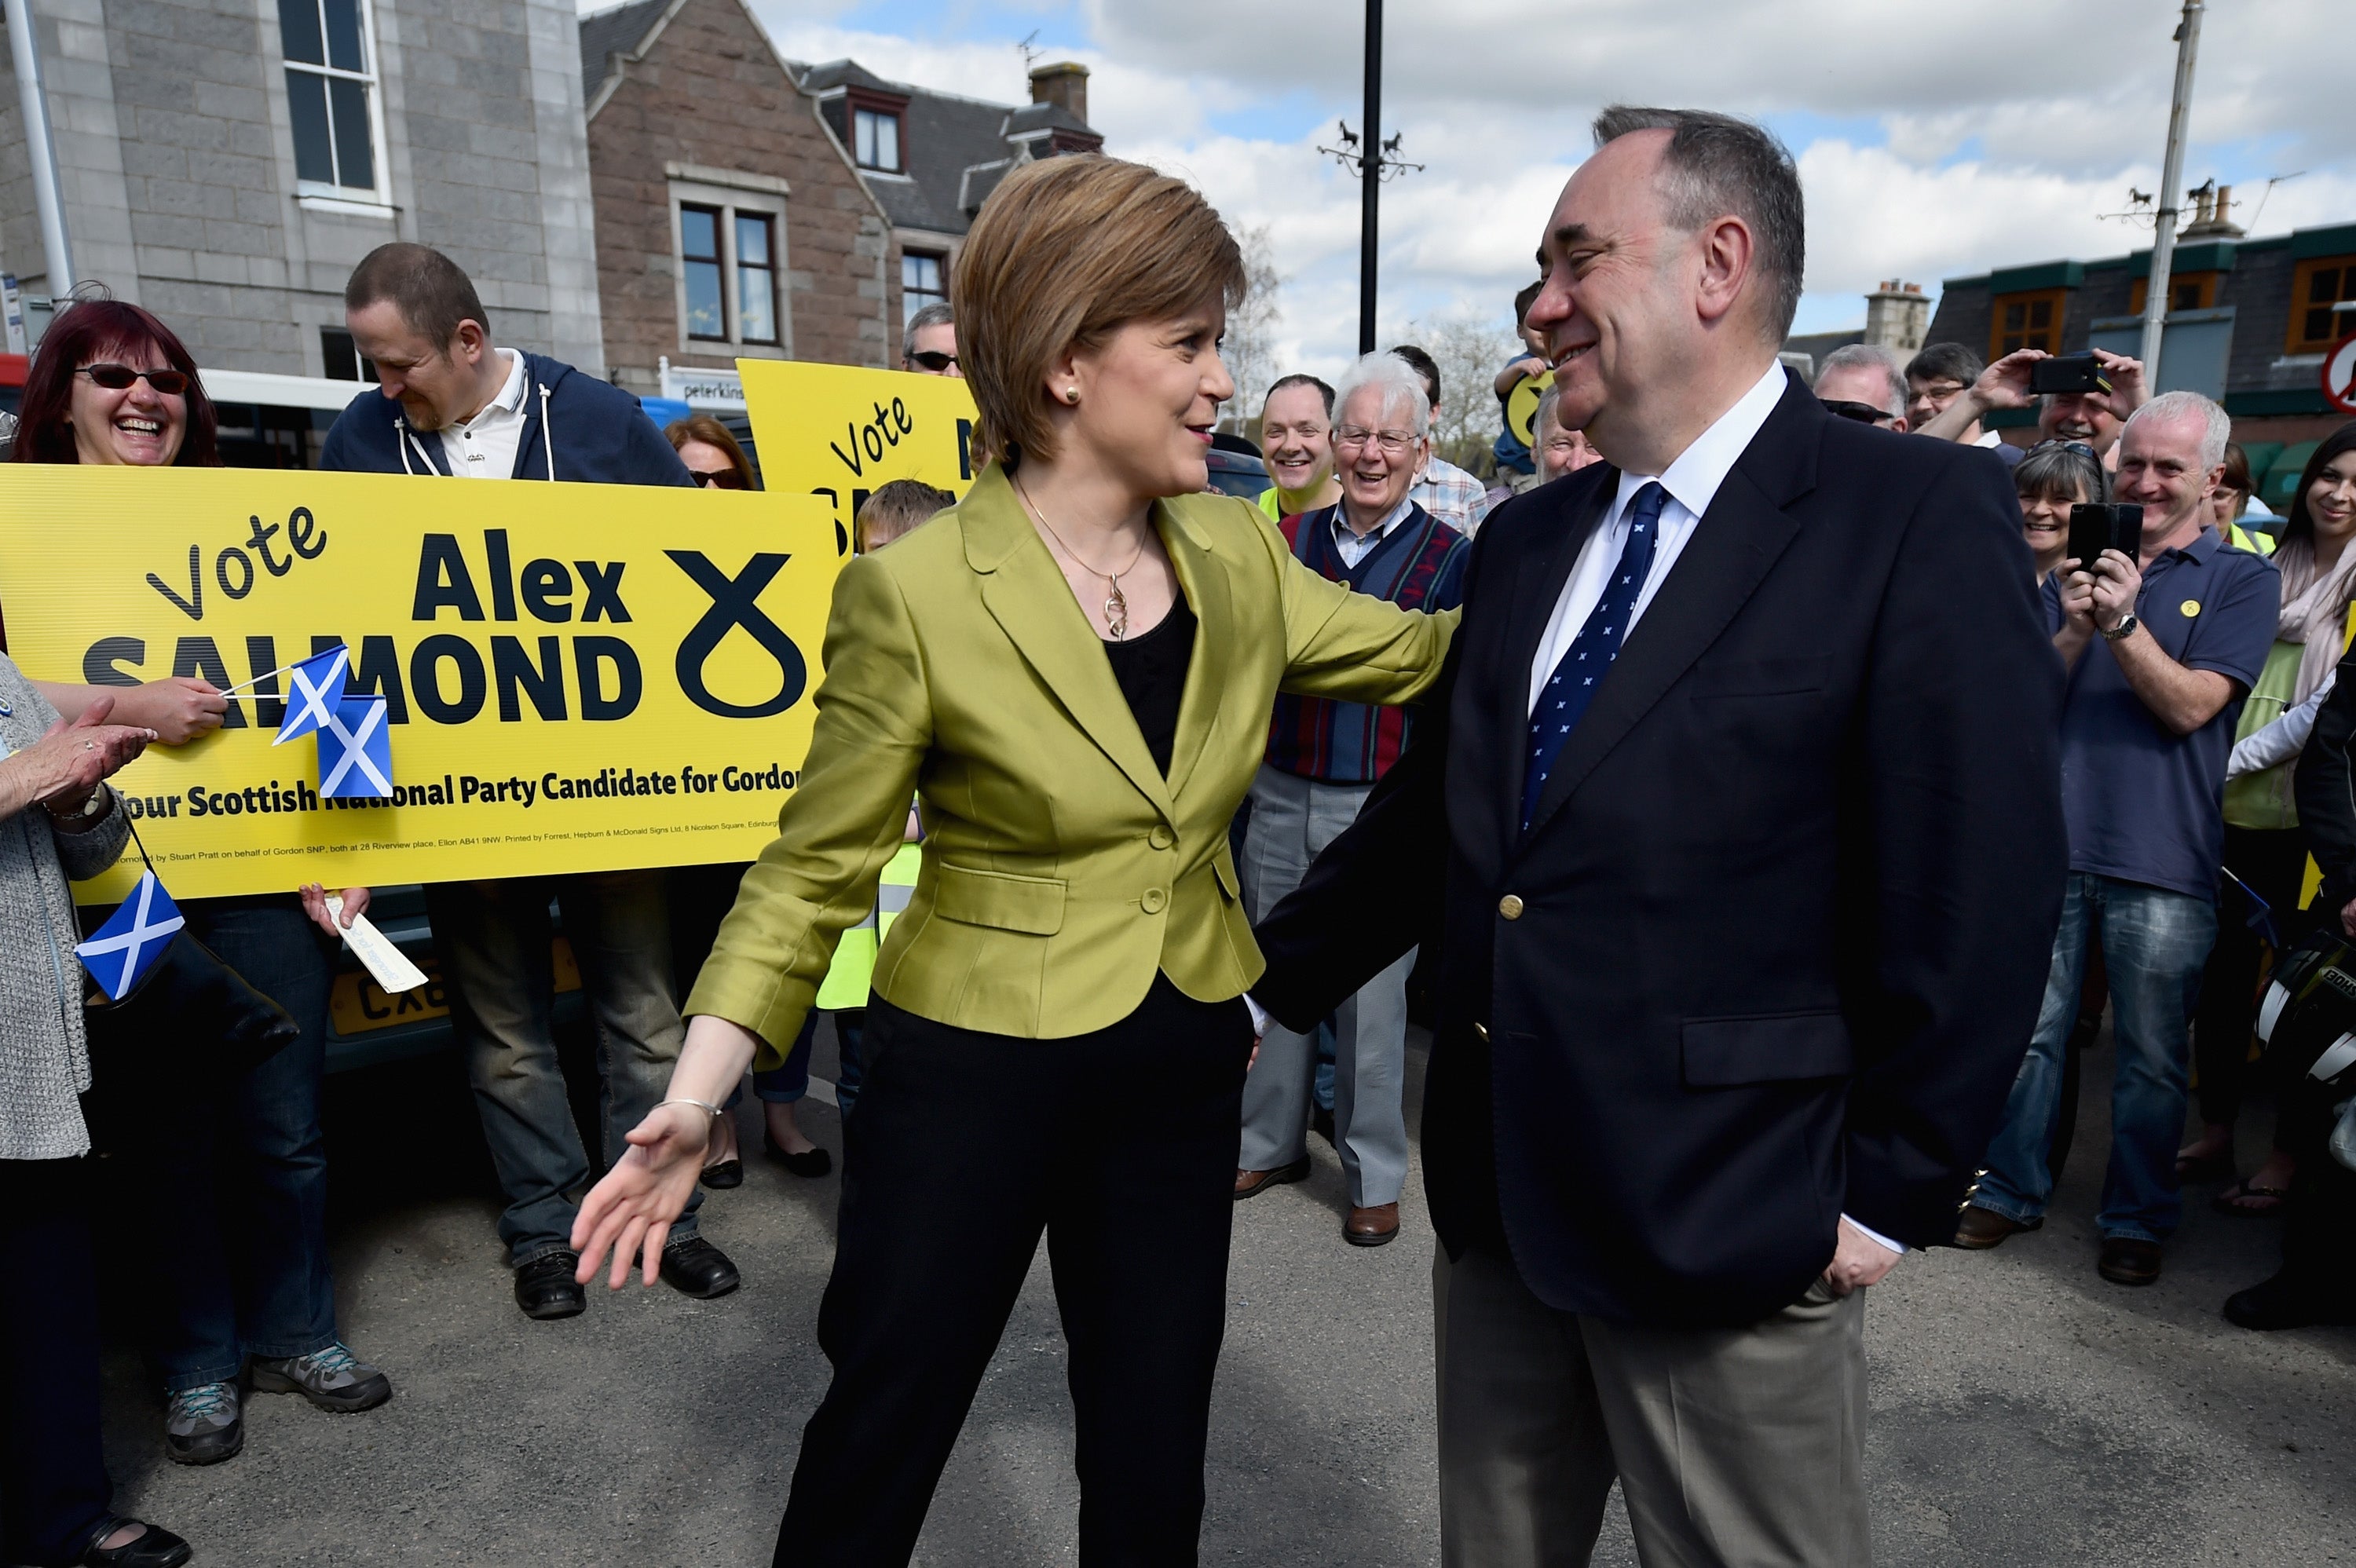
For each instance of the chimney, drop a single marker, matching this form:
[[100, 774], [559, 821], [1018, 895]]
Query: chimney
[[1064, 85], [2212, 216], [1897, 317]]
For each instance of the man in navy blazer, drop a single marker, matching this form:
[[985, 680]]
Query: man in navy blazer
[[1741, 941]]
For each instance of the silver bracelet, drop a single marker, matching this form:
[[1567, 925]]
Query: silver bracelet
[[700, 1105]]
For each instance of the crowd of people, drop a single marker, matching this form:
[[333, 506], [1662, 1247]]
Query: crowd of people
[[1076, 834]]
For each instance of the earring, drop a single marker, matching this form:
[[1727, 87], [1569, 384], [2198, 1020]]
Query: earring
[[1071, 394]]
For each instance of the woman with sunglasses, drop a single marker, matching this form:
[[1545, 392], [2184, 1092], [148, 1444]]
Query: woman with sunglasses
[[241, 1284], [2054, 477], [711, 453]]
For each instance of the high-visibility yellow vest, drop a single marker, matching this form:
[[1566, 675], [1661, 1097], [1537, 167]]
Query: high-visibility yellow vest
[[847, 980], [2258, 541]]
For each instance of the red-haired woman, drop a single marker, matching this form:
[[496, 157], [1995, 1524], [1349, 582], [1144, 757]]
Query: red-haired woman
[[112, 384]]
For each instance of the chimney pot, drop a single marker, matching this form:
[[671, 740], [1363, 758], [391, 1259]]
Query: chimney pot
[[1064, 84]]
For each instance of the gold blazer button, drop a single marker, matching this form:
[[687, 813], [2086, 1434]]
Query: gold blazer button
[[1155, 899], [1510, 907]]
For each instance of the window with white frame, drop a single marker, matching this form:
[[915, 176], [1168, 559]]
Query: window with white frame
[[330, 92], [731, 263], [876, 135]]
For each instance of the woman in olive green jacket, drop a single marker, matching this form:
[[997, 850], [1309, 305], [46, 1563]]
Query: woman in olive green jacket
[[1074, 671]]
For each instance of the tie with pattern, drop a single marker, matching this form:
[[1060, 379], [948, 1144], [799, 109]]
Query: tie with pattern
[[1572, 686]]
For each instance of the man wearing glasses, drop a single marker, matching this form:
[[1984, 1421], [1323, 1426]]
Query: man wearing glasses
[[929, 346], [1323, 759], [1862, 382]]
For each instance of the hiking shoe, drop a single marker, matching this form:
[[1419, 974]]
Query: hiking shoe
[[333, 1378], [203, 1425]]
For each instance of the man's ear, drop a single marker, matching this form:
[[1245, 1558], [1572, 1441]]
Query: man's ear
[[469, 342], [1727, 255]]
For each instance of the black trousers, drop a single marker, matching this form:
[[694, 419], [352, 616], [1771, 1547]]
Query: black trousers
[[1128, 1165], [2273, 861], [53, 1487]]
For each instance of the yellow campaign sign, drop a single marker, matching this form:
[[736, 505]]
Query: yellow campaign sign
[[577, 677], [1522, 406], [839, 433]]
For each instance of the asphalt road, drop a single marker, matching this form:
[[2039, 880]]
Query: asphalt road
[[2025, 1412]]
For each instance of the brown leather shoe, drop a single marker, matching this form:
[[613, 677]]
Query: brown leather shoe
[[2126, 1260], [1252, 1183], [1980, 1229], [1372, 1227]]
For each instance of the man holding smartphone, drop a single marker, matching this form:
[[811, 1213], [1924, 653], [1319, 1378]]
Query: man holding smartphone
[[2162, 645], [2094, 412]]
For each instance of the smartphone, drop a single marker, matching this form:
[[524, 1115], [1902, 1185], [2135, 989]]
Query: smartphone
[[2095, 526], [2090, 532], [2068, 373]]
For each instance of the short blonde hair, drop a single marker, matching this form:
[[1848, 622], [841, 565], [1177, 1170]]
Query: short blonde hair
[[1064, 252]]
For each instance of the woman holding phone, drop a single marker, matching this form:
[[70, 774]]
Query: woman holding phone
[[1073, 670]]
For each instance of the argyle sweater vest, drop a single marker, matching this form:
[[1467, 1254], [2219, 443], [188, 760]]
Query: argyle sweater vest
[[1419, 565]]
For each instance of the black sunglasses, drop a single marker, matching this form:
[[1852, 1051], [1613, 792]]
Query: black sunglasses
[[933, 359], [115, 378], [2079, 447], [1863, 414], [718, 478]]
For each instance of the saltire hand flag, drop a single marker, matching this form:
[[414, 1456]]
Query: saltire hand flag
[[314, 689], [120, 953], [356, 750]]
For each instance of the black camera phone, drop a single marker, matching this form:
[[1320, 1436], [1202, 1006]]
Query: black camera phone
[[2069, 373], [2097, 526]]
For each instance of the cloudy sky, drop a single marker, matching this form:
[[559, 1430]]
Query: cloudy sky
[[1935, 140]]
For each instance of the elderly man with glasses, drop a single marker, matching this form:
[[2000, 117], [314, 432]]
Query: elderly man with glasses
[[1323, 759], [928, 346]]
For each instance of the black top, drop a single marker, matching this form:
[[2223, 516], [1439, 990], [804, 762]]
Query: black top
[[1151, 669]]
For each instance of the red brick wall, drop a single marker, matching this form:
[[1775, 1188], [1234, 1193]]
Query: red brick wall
[[711, 92]]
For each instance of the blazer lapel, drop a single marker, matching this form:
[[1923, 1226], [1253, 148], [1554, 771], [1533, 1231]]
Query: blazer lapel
[[1733, 546], [1026, 594], [1203, 578]]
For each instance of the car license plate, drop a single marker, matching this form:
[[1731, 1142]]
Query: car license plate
[[358, 1005]]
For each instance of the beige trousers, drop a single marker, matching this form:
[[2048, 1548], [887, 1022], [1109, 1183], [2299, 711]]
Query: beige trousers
[[1734, 1447]]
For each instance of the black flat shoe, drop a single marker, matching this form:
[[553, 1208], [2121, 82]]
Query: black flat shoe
[[810, 1166], [545, 1287], [2280, 1303], [697, 1269], [155, 1548], [724, 1175]]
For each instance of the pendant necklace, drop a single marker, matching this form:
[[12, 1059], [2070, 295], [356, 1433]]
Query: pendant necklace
[[1116, 604]]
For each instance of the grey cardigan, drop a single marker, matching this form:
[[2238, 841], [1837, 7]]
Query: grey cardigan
[[44, 1055]]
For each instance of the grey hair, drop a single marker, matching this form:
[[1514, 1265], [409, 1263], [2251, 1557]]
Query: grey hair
[[1397, 380], [1871, 356], [2055, 468], [1717, 164], [2217, 425], [931, 315]]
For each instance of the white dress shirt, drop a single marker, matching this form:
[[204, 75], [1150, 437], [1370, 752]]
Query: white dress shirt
[[485, 447], [1354, 547], [1692, 482]]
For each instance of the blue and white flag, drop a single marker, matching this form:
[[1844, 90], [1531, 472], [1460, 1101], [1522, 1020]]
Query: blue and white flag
[[120, 953], [356, 750], [314, 687]]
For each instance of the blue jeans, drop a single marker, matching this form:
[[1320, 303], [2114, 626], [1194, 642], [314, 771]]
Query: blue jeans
[[492, 940], [2155, 943], [784, 1085], [236, 1166]]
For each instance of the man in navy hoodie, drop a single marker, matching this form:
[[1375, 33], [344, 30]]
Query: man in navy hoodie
[[449, 405]]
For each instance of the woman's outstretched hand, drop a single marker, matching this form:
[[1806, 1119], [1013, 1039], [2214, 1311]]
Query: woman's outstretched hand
[[632, 1209]]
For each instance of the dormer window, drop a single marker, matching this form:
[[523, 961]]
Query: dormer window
[[876, 137]]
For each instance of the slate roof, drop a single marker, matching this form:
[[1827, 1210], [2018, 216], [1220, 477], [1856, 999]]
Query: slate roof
[[605, 33], [957, 149]]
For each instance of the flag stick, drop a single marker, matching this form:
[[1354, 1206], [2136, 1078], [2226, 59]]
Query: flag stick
[[282, 669]]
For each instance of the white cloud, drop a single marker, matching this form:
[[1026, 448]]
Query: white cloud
[[1934, 142]]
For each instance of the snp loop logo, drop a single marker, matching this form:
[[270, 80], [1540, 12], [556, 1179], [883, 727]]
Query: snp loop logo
[[734, 605]]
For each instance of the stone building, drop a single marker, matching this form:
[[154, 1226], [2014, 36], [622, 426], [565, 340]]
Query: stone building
[[225, 164], [731, 222], [932, 158]]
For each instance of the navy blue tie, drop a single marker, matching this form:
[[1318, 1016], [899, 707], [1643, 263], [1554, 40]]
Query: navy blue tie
[[1572, 686]]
